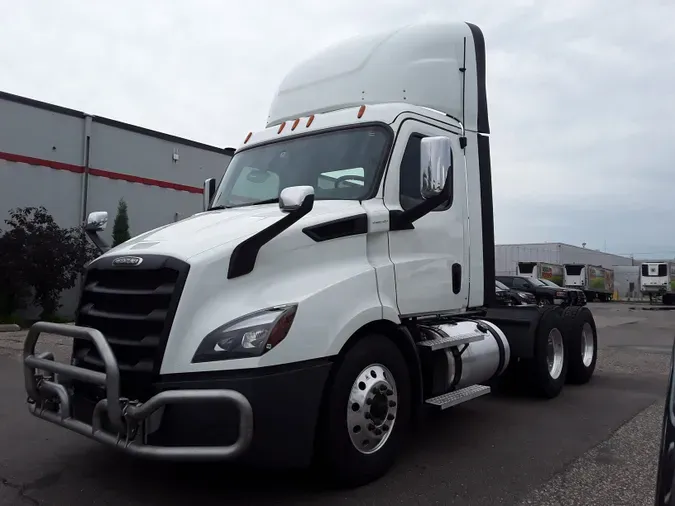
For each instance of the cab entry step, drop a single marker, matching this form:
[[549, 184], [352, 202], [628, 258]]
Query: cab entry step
[[450, 341], [456, 397]]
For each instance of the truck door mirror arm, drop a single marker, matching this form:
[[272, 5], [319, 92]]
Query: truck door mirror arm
[[435, 181], [295, 202]]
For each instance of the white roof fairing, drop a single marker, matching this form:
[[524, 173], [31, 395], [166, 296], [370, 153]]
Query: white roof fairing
[[418, 64]]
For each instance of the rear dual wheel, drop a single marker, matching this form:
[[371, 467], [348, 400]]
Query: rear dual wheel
[[582, 343], [547, 369]]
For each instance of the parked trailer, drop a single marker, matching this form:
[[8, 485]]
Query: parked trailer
[[542, 270], [657, 279], [594, 280], [312, 315]]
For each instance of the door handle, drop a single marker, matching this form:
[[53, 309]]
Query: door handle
[[456, 278]]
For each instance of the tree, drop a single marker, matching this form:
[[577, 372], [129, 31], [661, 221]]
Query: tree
[[121, 226], [37, 254]]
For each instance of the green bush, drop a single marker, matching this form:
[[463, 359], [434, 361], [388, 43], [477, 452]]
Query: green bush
[[121, 225], [39, 260]]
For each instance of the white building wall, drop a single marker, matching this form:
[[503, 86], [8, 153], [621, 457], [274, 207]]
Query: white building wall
[[73, 163]]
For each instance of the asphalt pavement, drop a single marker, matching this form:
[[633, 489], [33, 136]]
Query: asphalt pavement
[[594, 445]]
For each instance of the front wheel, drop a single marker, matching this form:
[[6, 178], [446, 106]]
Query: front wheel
[[366, 413]]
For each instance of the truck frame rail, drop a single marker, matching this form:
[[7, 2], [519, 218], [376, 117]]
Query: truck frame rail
[[50, 399]]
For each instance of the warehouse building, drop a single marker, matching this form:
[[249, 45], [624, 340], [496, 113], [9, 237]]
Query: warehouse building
[[507, 256], [73, 163], [626, 270]]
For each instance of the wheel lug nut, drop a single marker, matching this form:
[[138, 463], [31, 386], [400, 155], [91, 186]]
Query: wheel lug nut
[[390, 392], [392, 404], [390, 417], [385, 427], [378, 432], [383, 388]]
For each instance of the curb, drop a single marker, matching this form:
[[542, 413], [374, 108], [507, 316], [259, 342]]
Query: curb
[[10, 327]]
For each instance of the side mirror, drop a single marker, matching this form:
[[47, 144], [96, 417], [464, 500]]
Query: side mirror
[[296, 197], [96, 221], [209, 192], [435, 165]]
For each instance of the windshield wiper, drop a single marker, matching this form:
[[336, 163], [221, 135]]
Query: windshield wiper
[[260, 202], [268, 201]]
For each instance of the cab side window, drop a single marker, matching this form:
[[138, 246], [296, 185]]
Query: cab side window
[[409, 182]]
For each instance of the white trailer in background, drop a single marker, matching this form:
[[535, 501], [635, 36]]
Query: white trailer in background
[[657, 279], [594, 280], [542, 270]]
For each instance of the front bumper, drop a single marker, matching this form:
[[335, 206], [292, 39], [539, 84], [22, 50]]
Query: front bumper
[[190, 417], [655, 289]]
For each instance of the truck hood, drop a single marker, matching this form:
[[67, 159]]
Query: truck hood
[[204, 231]]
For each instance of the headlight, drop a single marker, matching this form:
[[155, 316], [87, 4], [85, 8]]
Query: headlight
[[248, 336]]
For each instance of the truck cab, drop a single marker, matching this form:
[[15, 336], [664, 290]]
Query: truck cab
[[339, 282]]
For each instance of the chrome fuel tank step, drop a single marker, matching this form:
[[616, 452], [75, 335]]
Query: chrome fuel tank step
[[450, 399], [452, 340]]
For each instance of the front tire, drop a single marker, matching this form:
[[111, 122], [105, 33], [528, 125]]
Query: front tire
[[581, 337], [366, 413], [547, 370]]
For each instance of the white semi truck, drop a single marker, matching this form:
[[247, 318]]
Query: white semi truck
[[657, 279], [340, 279]]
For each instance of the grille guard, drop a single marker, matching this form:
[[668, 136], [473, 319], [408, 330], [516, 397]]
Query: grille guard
[[50, 400]]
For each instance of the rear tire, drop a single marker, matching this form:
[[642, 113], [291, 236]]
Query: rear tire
[[547, 370], [581, 339], [369, 391]]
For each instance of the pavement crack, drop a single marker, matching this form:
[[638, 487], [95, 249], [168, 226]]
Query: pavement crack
[[23, 488]]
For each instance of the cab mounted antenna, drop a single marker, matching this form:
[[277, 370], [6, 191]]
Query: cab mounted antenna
[[462, 69]]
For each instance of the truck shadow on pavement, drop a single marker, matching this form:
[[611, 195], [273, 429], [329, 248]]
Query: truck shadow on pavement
[[494, 447]]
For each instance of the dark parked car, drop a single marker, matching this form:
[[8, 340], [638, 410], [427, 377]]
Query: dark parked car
[[543, 293], [577, 297], [510, 297]]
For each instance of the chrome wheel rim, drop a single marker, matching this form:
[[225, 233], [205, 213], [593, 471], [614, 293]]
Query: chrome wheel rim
[[372, 408], [555, 353], [587, 345]]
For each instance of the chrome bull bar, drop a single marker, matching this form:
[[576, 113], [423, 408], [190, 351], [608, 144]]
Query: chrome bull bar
[[50, 400]]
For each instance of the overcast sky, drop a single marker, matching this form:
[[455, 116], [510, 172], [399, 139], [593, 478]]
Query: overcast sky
[[581, 92]]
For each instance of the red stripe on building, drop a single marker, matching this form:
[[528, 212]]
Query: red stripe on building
[[79, 169], [11, 157]]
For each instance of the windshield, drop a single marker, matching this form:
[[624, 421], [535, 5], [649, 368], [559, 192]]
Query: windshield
[[340, 165], [549, 283], [501, 285]]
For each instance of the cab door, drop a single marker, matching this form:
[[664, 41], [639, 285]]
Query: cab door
[[430, 260]]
